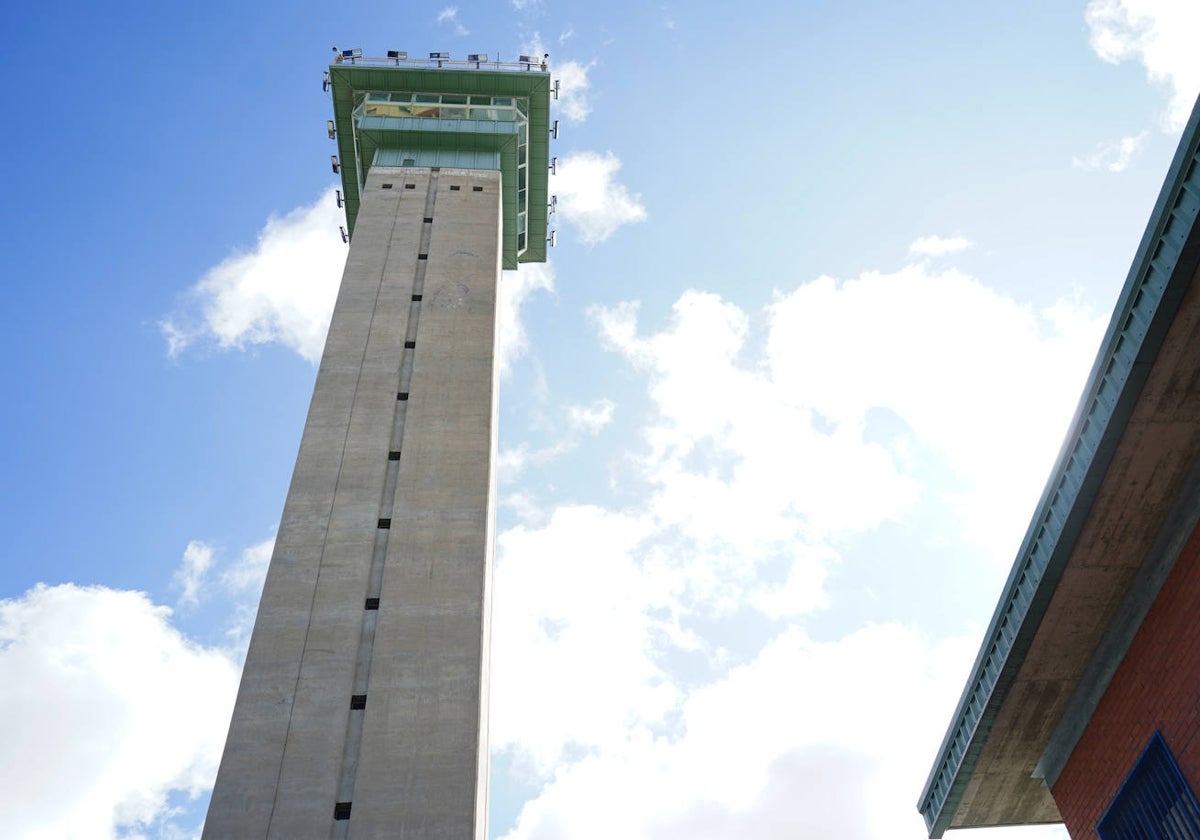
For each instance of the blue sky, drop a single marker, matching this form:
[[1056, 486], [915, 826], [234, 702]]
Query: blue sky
[[828, 281]]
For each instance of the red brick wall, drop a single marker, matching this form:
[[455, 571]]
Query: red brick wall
[[1157, 686]]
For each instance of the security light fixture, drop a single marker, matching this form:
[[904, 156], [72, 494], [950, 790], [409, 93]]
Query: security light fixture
[[337, 167], [528, 59], [397, 56], [351, 54], [329, 128]]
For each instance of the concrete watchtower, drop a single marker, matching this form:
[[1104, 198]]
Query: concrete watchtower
[[362, 710]]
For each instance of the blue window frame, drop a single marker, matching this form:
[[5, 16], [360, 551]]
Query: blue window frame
[[1154, 802]]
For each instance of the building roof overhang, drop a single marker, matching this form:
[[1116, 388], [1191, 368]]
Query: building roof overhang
[[348, 80], [1104, 534]]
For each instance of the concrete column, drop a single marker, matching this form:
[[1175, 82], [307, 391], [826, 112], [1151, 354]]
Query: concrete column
[[399, 375]]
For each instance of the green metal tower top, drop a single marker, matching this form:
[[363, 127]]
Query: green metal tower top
[[472, 114]]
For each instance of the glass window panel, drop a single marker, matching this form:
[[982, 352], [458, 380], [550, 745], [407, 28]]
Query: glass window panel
[[502, 100], [454, 99], [481, 100], [377, 97], [427, 97]]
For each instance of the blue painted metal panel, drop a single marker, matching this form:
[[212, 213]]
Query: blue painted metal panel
[[1154, 801]]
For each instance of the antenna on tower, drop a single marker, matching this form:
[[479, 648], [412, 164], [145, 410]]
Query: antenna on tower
[[345, 236], [556, 84], [553, 206], [554, 130], [337, 167], [329, 128], [340, 200], [553, 166], [552, 239], [325, 81]]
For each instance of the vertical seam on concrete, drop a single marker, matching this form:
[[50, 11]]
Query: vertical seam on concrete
[[352, 744], [325, 541]]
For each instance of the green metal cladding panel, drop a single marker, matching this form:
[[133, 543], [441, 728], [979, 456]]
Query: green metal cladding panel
[[474, 142]]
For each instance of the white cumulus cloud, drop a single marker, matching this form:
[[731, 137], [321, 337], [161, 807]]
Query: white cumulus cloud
[[450, 15], [938, 246], [644, 629], [1114, 156], [962, 366], [809, 739], [108, 709], [280, 292], [572, 78], [189, 577], [515, 289], [1161, 34], [590, 198], [250, 570], [591, 418]]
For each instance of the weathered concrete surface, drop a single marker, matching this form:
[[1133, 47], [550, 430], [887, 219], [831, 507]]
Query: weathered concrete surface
[[1160, 442], [409, 763]]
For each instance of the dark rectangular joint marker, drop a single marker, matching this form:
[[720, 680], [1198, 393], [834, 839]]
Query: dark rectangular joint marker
[[385, 523], [429, 220], [341, 811], [402, 396], [358, 701], [371, 604], [410, 345], [416, 297], [394, 455]]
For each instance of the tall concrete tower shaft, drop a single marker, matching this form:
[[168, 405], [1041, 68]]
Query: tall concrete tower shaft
[[362, 710]]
